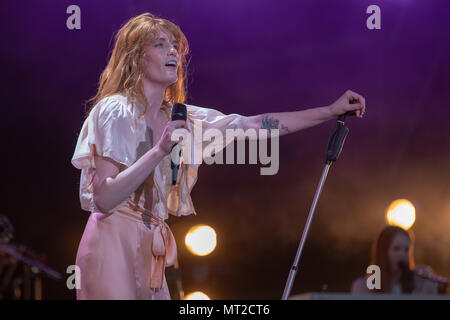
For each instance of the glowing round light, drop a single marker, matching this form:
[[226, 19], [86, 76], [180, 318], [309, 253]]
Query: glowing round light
[[201, 240], [197, 295], [401, 213]]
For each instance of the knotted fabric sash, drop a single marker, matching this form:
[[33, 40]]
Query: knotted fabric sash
[[163, 249]]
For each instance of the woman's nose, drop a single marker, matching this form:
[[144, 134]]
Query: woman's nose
[[173, 51]]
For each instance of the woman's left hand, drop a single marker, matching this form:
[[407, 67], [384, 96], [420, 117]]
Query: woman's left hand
[[342, 105]]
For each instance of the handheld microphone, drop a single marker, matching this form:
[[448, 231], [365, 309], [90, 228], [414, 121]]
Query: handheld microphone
[[179, 112]]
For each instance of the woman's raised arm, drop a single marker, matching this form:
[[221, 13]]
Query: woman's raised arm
[[289, 122]]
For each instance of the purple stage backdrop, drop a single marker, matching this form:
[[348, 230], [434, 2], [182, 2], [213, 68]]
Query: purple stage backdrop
[[246, 57]]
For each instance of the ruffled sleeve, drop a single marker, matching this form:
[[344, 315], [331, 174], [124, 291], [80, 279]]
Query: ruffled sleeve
[[109, 131], [179, 201], [214, 119]]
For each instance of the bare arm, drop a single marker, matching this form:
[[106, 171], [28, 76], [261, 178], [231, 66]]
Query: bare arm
[[111, 186], [288, 122]]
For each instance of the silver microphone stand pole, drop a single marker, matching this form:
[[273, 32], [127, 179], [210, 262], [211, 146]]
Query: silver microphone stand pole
[[334, 147]]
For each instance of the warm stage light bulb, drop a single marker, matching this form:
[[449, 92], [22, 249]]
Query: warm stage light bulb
[[201, 240], [401, 213], [197, 295]]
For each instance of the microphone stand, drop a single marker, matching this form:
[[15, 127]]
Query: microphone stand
[[334, 147]]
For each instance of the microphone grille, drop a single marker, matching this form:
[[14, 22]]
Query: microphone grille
[[179, 112]]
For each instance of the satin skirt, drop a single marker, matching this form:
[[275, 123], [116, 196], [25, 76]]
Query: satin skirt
[[115, 260]]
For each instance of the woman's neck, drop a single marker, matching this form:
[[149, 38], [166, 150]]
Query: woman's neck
[[154, 96]]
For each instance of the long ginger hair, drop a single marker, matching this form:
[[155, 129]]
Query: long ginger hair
[[380, 256], [124, 72]]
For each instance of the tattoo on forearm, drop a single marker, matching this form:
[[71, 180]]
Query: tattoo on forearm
[[272, 123]]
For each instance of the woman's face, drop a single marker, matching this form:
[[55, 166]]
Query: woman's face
[[398, 252], [157, 56]]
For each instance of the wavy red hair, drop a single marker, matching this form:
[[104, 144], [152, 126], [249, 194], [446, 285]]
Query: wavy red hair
[[124, 71]]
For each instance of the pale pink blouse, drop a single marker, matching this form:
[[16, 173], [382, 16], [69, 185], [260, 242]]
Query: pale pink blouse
[[115, 128]]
